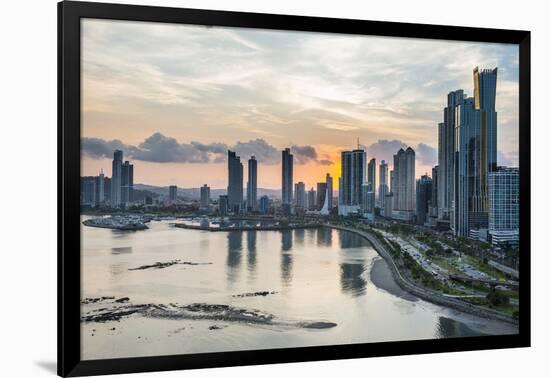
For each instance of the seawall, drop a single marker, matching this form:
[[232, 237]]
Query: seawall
[[424, 293]]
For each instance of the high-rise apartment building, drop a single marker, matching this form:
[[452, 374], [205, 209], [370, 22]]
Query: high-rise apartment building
[[371, 175], [116, 179], [100, 189], [504, 205], [475, 129], [383, 188], [300, 195], [330, 192], [205, 196], [234, 182], [287, 176], [423, 198], [127, 183], [223, 205], [264, 204], [312, 199], [321, 194], [353, 177], [403, 183], [172, 193], [252, 185], [88, 191]]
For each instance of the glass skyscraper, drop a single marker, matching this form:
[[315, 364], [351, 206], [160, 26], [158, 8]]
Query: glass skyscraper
[[354, 169], [127, 183], [234, 182], [287, 179], [423, 198], [475, 155], [383, 189], [205, 196], [116, 179], [403, 185], [371, 175], [504, 205], [252, 185]]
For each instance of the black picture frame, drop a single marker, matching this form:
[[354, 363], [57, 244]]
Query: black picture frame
[[69, 16]]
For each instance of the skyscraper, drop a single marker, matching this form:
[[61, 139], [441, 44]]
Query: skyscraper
[[100, 189], [371, 175], [383, 189], [223, 205], [447, 154], [504, 205], [423, 198], [287, 179], [116, 179], [368, 198], [264, 204], [330, 192], [107, 189], [205, 196], [403, 183], [475, 156], [172, 193], [485, 93], [252, 185], [353, 177], [127, 183], [321, 194], [234, 182], [300, 194], [388, 205], [311, 199], [433, 213], [88, 191]]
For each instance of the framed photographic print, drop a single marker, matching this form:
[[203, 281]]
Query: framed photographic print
[[239, 188]]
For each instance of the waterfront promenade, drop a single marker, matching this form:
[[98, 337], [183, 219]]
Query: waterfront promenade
[[422, 292]]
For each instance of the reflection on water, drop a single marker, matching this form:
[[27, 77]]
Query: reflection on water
[[324, 237], [299, 236], [234, 251], [119, 250], [351, 279], [447, 327], [351, 240], [251, 251], [311, 275], [286, 256]]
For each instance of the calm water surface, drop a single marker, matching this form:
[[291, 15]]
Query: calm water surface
[[316, 274]]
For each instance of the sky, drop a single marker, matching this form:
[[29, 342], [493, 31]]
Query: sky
[[174, 98]]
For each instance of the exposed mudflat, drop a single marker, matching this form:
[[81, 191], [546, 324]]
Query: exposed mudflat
[[162, 265], [382, 278], [115, 310], [254, 294]]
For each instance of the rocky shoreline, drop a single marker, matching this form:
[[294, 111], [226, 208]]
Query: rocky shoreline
[[111, 309]]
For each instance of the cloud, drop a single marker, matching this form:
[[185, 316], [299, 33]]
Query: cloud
[[264, 152], [426, 155], [98, 148], [325, 162], [385, 149], [159, 148], [504, 160], [248, 83]]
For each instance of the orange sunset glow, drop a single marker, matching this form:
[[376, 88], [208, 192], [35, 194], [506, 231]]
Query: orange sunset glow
[[175, 107]]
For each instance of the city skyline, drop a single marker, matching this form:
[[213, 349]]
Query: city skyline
[[176, 111]]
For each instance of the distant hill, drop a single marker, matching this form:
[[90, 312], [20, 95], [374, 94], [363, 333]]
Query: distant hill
[[194, 193]]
